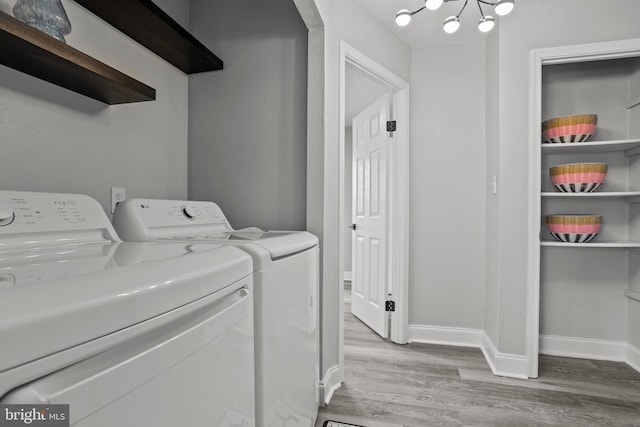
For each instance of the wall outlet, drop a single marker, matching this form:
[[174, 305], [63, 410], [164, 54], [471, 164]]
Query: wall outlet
[[117, 195]]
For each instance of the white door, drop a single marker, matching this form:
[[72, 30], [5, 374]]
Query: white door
[[369, 250]]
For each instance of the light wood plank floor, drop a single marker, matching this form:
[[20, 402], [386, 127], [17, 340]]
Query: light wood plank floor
[[422, 385]]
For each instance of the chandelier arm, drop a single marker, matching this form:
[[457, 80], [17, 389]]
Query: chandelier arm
[[419, 10], [480, 7], [463, 6], [487, 2]]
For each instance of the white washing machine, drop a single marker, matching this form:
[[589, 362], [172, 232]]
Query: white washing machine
[[285, 298], [126, 334]]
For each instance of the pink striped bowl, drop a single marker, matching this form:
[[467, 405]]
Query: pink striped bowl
[[576, 128], [578, 177], [574, 228]]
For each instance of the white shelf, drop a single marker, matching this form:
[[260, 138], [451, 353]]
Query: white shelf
[[631, 147], [632, 295], [633, 103], [628, 196], [615, 245]]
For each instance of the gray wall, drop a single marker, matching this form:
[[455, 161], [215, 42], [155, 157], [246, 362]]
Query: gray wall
[[55, 140], [517, 36], [247, 122], [447, 216]]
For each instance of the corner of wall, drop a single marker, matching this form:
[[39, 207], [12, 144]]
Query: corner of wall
[[504, 364], [331, 382]]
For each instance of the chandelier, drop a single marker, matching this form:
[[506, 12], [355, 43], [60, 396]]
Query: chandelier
[[452, 23]]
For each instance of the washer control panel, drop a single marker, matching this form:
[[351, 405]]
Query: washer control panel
[[7, 215], [22, 212]]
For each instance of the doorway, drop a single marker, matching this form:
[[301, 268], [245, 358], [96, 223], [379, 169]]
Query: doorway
[[354, 66]]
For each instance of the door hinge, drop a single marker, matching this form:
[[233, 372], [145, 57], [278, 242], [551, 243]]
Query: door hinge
[[389, 305], [353, 227], [391, 126]]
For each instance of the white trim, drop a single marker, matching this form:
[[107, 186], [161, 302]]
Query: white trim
[[461, 337], [538, 58], [399, 216], [582, 348], [347, 276], [504, 364], [588, 348], [632, 357], [398, 194], [331, 382]]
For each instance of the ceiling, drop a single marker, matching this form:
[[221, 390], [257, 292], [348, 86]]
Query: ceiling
[[425, 28]]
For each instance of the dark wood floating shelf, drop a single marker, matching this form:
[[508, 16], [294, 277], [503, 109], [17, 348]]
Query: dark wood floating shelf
[[150, 26], [26, 49]]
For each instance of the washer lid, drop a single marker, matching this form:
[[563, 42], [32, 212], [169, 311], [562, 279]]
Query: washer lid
[[51, 301]]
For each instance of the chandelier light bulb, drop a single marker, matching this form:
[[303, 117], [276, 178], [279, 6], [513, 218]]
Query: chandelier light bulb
[[403, 17], [433, 4], [504, 7], [451, 24], [486, 24]]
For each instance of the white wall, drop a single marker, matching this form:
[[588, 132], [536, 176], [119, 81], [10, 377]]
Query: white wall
[[247, 122], [518, 35], [447, 243], [56, 140]]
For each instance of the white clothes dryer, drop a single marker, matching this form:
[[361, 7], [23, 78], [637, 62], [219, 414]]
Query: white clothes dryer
[[126, 334], [286, 276]]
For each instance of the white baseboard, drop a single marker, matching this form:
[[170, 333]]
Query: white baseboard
[[461, 337], [330, 383], [582, 348], [587, 348], [504, 364], [633, 357]]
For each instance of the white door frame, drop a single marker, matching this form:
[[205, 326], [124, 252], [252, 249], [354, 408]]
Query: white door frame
[[398, 190], [538, 58]]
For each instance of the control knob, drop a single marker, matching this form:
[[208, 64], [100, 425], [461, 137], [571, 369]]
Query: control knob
[[188, 213], [6, 213]]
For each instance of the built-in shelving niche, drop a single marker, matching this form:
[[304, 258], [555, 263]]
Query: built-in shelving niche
[[588, 292]]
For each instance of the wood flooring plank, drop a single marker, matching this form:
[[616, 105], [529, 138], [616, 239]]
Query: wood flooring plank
[[424, 385]]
